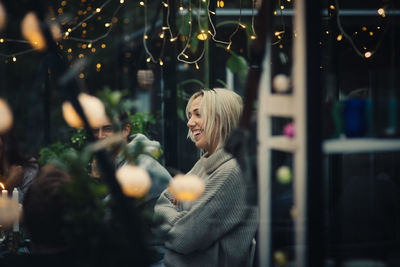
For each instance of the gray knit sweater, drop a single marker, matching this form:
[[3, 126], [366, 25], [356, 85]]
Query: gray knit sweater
[[218, 228]]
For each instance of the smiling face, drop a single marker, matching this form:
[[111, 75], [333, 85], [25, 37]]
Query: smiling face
[[196, 123]]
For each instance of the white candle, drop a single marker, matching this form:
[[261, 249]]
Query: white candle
[[15, 199]]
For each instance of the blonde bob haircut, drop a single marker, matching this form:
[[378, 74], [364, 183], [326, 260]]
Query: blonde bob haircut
[[221, 110]]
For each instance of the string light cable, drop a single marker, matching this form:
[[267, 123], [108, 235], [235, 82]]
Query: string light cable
[[182, 53], [279, 34], [172, 37], [367, 54], [145, 37]]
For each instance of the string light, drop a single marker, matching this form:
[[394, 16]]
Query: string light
[[282, 32], [172, 37], [366, 54], [14, 59], [183, 52], [150, 57]]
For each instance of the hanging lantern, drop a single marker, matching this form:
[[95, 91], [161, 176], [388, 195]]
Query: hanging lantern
[[31, 31], [93, 109], [6, 117], [3, 17], [284, 175], [186, 187], [134, 181], [281, 83], [145, 79], [55, 31]]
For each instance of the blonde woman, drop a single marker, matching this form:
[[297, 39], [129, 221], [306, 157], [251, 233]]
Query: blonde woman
[[218, 228]]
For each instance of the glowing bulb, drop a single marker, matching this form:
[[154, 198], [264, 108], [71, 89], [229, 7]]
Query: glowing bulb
[[190, 22], [253, 37], [202, 36], [66, 33], [275, 12], [1, 40], [368, 54], [339, 37], [161, 62], [165, 4], [181, 8], [148, 59], [89, 45], [381, 11], [145, 37], [173, 39], [243, 26], [212, 12], [364, 28], [162, 35], [229, 46], [282, 7], [107, 25], [186, 56], [197, 65], [103, 45], [332, 7], [165, 28], [141, 3], [98, 9], [98, 65], [121, 1], [371, 33]]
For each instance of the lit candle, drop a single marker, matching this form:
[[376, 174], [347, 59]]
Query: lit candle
[[4, 192]]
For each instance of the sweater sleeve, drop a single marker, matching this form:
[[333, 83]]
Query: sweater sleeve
[[168, 211], [219, 210]]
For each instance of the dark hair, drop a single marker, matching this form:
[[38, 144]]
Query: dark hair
[[44, 205], [10, 152]]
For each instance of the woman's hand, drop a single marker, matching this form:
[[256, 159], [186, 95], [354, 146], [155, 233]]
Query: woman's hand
[[15, 176], [176, 202]]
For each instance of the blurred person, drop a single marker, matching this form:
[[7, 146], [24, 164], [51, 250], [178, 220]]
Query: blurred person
[[44, 206], [160, 177], [218, 228], [17, 170]]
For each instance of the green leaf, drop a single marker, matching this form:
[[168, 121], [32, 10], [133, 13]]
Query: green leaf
[[237, 63]]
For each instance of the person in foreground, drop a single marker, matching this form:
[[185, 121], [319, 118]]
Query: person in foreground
[[43, 209], [218, 228]]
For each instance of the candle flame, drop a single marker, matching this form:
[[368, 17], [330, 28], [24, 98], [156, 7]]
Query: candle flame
[[2, 186]]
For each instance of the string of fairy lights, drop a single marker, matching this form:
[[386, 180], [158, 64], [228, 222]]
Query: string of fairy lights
[[209, 32]]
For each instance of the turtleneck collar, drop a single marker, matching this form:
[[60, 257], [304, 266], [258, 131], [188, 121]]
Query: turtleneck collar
[[212, 162]]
